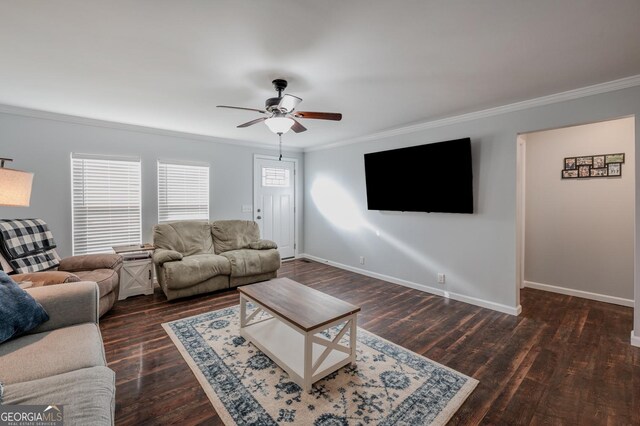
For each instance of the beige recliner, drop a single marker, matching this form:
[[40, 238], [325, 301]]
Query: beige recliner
[[35, 259], [195, 257]]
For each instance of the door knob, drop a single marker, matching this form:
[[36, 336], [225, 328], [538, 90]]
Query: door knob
[[259, 217]]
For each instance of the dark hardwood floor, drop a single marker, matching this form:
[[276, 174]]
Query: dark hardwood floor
[[564, 360]]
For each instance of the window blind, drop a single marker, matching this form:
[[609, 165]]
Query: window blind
[[105, 203], [183, 191]]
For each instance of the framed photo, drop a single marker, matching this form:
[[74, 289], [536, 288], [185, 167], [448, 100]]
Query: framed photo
[[569, 163], [583, 171], [615, 169], [598, 161], [584, 161], [599, 172], [593, 166], [615, 158], [569, 174]]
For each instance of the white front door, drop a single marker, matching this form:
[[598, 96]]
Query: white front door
[[274, 202]]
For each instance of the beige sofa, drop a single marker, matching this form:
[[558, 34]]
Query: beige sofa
[[195, 257], [62, 361]]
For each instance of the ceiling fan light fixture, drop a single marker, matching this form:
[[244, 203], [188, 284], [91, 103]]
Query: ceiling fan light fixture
[[279, 124]]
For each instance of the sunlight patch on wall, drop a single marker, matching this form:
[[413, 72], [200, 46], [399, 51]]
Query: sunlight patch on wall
[[341, 210], [336, 205]]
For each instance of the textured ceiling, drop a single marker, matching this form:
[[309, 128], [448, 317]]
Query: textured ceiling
[[166, 64]]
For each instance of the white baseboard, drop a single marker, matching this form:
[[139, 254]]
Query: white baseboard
[[427, 289], [579, 293], [635, 340]]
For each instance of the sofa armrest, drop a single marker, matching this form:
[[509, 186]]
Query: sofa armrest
[[90, 262], [162, 256], [67, 304], [263, 245], [46, 278]]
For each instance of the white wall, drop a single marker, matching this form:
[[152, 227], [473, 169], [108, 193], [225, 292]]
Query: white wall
[[477, 252], [579, 232], [44, 147]]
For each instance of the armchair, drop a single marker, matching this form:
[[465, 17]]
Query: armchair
[[38, 262]]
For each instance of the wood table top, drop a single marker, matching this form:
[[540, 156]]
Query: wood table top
[[301, 305]]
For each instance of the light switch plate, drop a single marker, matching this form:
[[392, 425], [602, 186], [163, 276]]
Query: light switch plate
[[247, 208]]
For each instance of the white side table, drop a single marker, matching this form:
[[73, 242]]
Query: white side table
[[136, 277]]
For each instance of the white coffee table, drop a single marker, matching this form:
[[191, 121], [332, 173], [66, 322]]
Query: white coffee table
[[290, 333]]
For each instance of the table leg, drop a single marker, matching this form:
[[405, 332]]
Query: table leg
[[243, 311], [353, 338], [308, 356]]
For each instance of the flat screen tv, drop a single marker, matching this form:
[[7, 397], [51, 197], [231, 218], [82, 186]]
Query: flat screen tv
[[435, 177]]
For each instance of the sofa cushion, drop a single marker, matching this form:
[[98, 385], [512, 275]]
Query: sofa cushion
[[188, 237], [233, 234], [248, 262], [192, 270], [19, 311], [88, 395], [107, 279], [53, 352]]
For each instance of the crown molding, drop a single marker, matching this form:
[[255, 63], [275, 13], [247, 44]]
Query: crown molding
[[611, 86], [595, 89], [94, 122]]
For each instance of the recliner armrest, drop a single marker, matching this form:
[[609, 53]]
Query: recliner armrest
[[90, 262], [67, 304], [46, 278], [263, 245], [162, 256]]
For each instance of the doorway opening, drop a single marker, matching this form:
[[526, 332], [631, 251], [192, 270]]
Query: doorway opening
[[576, 211]]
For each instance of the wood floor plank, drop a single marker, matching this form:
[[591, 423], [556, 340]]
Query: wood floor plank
[[564, 360]]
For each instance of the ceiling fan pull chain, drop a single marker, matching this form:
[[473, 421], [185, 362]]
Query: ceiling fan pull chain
[[280, 137]]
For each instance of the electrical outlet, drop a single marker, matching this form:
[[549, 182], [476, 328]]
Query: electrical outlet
[[440, 278], [362, 260]]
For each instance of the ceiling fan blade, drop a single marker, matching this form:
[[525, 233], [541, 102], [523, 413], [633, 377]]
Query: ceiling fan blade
[[246, 109], [252, 122], [335, 116], [288, 103], [297, 127]]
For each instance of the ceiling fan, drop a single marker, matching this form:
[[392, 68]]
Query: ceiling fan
[[281, 113]]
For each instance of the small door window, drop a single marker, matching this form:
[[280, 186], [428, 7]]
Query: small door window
[[273, 176]]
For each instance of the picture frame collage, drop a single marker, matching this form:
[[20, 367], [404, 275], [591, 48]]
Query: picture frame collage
[[593, 166]]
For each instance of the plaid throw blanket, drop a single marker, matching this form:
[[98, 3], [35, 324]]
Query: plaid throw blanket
[[28, 245]]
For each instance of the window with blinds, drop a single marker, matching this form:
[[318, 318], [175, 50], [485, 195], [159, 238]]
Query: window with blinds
[[106, 203], [183, 191]]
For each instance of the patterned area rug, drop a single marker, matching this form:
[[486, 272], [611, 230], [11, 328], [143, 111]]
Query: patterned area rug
[[389, 385]]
